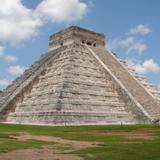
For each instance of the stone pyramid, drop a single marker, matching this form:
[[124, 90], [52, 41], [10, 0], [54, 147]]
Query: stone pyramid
[[79, 82]]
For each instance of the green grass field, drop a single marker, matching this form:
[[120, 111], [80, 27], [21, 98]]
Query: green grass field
[[136, 142]]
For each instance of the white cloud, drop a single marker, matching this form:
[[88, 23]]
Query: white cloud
[[138, 47], [16, 70], [129, 62], [115, 43], [10, 58], [126, 42], [148, 66], [129, 43], [140, 29], [4, 82], [17, 22], [1, 50], [62, 10]]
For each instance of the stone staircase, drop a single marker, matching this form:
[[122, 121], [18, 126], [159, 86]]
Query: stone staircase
[[143, 81], [132, 85], [73, 89]]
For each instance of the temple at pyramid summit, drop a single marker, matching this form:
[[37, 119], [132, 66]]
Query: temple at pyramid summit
[[79, 82]]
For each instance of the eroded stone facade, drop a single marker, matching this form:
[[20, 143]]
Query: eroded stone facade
[[78, 82]]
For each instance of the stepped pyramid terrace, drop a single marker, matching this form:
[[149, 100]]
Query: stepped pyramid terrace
[[79, 82]]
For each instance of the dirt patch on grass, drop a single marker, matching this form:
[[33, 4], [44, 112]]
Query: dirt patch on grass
[[37, 154], [73, 144], [141, 134], [138, 134], [60, 150]]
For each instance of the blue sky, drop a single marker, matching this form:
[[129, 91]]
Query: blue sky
[[132, 30]]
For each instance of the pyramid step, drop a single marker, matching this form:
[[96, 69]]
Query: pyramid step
[[58, 77], [85, 73], [91, 91], [25, 108], [68, 111], [68, 65], [70, 117], [75, 102], [71, 94]]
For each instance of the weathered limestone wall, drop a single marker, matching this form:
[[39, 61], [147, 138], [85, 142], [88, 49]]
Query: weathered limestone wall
[[15, 91], [79, 83], [74, 89]]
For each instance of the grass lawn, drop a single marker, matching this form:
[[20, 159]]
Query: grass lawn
[[131, 142]]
